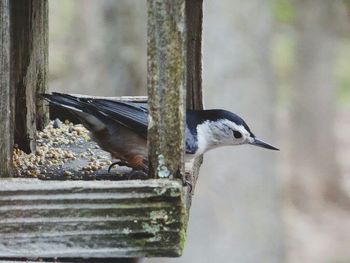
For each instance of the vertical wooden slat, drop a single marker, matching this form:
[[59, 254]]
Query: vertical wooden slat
[[166, 83], [194, 19], [42, 43], [5, 96], [29, 62], [194, 99]]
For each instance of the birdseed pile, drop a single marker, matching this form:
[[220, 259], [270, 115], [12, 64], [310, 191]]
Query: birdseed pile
[[64, 151]]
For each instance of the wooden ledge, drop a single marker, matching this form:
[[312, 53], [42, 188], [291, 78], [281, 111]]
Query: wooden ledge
[[94, 219]]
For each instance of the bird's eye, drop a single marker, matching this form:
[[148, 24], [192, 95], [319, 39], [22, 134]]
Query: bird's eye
[[237, 134]]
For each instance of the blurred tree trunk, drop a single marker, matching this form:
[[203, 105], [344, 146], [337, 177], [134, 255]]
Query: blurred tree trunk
[[99, 48], [236, 212], [314, 171]]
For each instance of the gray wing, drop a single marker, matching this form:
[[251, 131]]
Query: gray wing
[[132, 115], [98, 112]]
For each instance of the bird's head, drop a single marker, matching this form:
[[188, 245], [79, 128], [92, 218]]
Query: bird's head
[[224, 128]]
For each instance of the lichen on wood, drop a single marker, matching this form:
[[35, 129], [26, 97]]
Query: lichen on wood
[[166, 85], [134, 218]]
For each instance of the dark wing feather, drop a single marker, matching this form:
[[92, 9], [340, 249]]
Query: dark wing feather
[[85, 112], [133, 115], [128, 114]]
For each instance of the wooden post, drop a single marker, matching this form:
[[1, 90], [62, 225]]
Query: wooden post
[[166, 82], [194, 19], [5, 92], [29, 62], [194, 99]]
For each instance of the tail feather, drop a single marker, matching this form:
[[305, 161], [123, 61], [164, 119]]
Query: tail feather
[[90, 118], [62, 101], [99, 113]]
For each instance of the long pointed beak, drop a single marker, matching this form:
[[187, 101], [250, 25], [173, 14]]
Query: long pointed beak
[[260, 143]]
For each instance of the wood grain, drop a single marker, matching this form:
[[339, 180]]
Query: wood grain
[[194, 19], [135, 218], [6, 104], [166, 82], [29, 65]]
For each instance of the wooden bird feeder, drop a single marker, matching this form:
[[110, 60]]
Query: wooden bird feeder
[[72, 220]]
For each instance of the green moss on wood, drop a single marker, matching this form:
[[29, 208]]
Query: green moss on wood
[[166, 86], [126, 218]]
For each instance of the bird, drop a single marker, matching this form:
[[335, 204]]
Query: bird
[[120, 128]]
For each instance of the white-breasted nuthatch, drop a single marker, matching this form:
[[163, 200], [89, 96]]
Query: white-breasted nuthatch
[[120, 128]]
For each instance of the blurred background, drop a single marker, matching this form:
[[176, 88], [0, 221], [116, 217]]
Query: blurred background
[[283, 65]]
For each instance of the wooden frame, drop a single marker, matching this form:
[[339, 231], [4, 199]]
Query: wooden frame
[[99, 219]]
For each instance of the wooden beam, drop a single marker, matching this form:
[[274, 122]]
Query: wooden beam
[[166, 84], [194, 99], [91, 219], [194, 19], [29, 63], [6, 104]]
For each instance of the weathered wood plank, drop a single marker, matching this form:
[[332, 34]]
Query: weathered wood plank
[[135, 218], [194, 18], [6, 102], [194, 99], [29, 63], [166, 84]]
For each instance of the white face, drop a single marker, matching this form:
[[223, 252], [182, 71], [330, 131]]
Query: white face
[[213, 134]]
